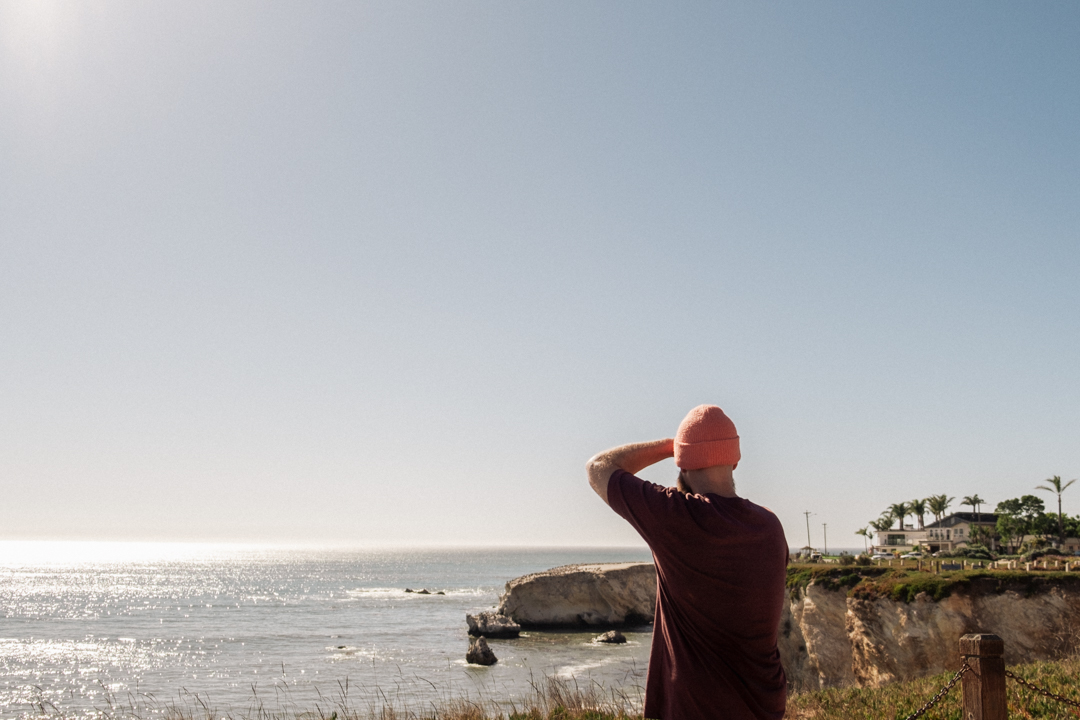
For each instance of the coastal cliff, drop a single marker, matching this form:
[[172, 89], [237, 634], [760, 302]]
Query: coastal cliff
[[864, 632], [865, 626], [594, 595]]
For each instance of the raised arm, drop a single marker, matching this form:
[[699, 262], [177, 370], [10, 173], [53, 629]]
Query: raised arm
[[631, 458]]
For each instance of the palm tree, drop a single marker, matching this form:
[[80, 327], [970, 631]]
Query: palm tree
[[883, 523], [1055, 486], [975, 502], [865, 532], [938, 504], [983, 534], [918, 509], [900, 511]]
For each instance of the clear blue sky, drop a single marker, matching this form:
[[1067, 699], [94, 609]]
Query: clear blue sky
[[391, 272]]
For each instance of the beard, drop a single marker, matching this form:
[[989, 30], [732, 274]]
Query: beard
[[680, 484]]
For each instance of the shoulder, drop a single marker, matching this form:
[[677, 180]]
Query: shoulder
[[764, 523], [629, 493], [762, 514], [761, 510], [624, 482]]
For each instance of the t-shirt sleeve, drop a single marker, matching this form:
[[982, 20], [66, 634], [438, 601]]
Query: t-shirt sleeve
[[648, 507]]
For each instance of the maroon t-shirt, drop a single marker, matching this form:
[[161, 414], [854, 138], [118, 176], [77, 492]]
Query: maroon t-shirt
[[720, 575]]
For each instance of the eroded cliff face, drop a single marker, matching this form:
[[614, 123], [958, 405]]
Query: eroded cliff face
[[814, 645], [828, 639]]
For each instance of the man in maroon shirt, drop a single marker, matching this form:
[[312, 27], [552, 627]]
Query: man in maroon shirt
[[720, 570]]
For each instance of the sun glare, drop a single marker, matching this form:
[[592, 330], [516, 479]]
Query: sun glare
[[15, 553]]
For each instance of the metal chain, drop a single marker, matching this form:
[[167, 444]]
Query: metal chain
[[1043, 691], [941, 693]]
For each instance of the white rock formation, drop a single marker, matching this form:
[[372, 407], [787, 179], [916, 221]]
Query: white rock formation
[[597, 595]]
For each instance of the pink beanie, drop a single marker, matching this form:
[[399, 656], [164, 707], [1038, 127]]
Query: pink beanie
[[706, 437]]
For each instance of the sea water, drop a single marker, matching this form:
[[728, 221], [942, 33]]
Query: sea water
[[86, 625]]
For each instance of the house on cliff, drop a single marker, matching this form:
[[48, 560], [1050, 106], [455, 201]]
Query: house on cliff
[[950, 533], [960, 530]]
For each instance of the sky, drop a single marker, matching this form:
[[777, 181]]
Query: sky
[[384, 273]]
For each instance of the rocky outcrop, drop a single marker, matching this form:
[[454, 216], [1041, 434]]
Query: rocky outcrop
[[611, 637], [828, 639], [597, 595], [479, 653], [492, 625]]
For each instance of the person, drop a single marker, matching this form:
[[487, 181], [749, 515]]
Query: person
[[721, 567]]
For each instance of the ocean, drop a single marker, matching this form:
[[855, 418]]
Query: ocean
[[87, 625]]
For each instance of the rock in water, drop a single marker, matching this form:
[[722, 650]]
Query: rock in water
[[479, 653], [595, 595], [492, 625], [613, 638]]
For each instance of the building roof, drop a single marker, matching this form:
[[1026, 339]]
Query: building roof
[[965, 517]]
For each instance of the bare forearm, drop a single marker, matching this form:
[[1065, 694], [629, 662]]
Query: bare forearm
[[632, 458], [636, 456]]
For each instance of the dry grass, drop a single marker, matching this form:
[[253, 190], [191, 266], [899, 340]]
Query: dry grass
[[550, 699], [898, 701], [556, 699]]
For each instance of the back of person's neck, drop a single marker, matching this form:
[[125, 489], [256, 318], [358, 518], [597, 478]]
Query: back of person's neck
[[715, 480]]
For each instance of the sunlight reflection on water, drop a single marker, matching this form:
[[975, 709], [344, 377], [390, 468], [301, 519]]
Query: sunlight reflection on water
[[82, 622]]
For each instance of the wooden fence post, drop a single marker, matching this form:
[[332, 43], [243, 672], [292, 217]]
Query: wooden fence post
[[984, 684]]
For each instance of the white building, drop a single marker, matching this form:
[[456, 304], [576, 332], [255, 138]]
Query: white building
[[950, 533]]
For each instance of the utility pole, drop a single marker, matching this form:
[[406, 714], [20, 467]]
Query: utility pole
[[824, 530], [808, 514]]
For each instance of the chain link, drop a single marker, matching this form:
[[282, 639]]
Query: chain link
[[941, 693], [1043, 691]]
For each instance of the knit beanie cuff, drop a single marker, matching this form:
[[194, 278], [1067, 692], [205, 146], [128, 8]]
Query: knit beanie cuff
[[695, 456]]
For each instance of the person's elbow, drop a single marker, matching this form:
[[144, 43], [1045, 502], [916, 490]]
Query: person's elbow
[[599, 469], [594, 466]]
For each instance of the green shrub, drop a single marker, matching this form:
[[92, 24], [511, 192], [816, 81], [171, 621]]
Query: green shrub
[[972, 552], [1043, 552]]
